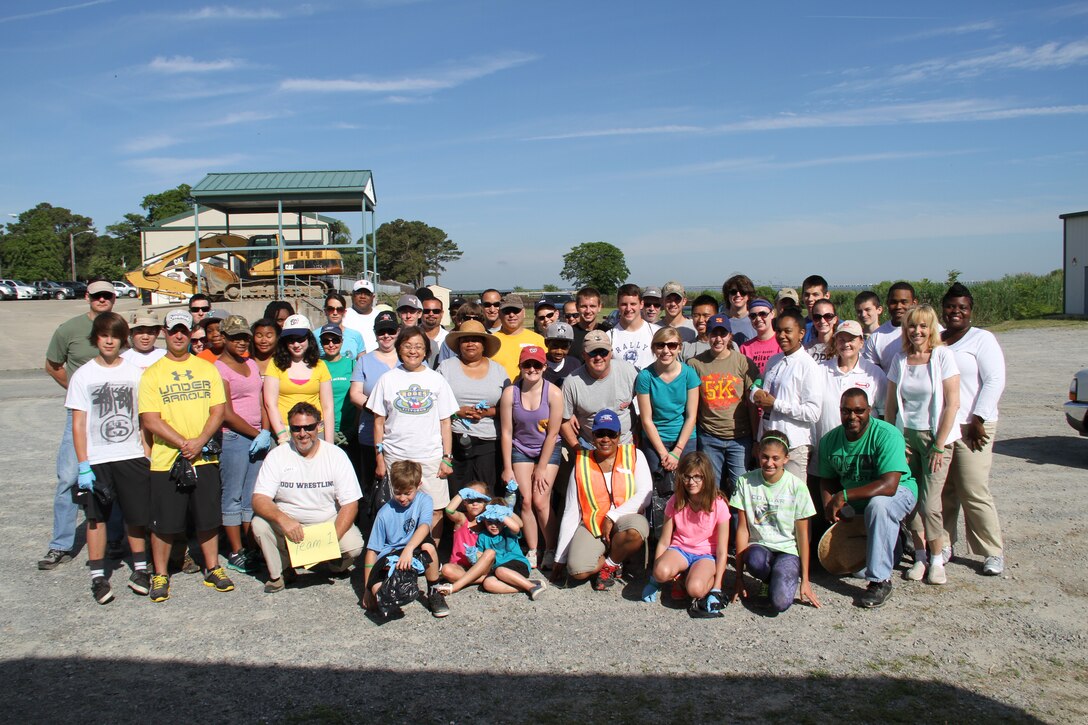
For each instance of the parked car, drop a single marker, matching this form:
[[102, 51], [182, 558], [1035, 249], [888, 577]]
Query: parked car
[[23, 291], [54, 290], [1076, 410], [6, 292], [79, 289], [124, 289]]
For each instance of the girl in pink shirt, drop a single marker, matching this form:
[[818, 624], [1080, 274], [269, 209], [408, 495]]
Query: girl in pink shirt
[[467, 564], [694, 539]]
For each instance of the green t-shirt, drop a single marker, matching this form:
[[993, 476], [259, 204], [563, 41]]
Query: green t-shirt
[[341, 384], [773, 509], [880, 449], [69, 344]]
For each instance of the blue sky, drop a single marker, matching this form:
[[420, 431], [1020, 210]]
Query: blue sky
[[862, 141]]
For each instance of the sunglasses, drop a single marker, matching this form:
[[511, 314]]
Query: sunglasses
[[598, 353], [510, 311], [758, 315], [826, 317], [202, 309], [490, 305], [386, 333], [103, 296], [571, 315], [605, 434], [674, 346], [736, 293], [331, 341], [561, 344], [308, 428], [541, 318], [647, 303], [334, 308], [198, 341], [477, 318], [531, 365], [432, 311]]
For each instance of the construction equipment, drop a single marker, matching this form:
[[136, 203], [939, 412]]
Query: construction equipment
[[227, 273]]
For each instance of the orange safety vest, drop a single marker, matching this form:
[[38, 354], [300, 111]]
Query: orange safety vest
[[594, 498]]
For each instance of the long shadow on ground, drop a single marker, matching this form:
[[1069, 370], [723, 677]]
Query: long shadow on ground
[[1068, 450], [109, 690]]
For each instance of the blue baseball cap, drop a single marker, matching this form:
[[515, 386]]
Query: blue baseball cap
[[717, 321], [606, 420]]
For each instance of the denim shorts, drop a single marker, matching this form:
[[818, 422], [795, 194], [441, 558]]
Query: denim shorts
[[689, 557], [517, 456]]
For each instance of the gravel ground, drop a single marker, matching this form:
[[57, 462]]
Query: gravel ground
[[1010, 648]]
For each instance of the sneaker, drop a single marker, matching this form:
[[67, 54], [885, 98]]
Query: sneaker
[[188, 566], [101, 591], [445, 589], [274, 585], [549, 560], [140, 582], [115, 550], [531, 556], [239, 561], [701, 609], [437, 603], [160, 588], [538, 588], [994, 565], [935, 574], [917, 571], [875, 595], [54, 558], [947, 554], [605, 578], [218, 580]]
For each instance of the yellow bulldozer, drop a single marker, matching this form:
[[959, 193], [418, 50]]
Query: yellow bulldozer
[[226, 273]]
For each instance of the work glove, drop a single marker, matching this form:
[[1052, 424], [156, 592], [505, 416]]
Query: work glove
[[262, 442], [86, 477]]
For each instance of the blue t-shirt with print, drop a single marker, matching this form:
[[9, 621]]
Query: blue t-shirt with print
[[394, 525]]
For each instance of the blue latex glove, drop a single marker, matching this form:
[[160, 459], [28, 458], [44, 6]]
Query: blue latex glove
[[651, 591], [471, 494], [391, 564], [86, 477], [511, 486], [714, 601], [472, 553], [495, 512], [262, 442]]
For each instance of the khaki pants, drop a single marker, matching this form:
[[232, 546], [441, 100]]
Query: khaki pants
[[586, 549], [927, 519], [798, 462], [274, 546], [968, 486]]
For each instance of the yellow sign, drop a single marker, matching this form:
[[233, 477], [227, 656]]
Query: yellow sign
[[319, 543]]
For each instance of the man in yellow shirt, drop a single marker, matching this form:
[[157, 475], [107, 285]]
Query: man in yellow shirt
[[182, 404], [512, 334]]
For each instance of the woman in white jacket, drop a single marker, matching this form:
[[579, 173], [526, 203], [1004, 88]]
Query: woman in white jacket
[[923, 402]]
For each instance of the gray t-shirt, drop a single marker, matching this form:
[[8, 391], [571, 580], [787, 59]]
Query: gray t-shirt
[[470, 391], [584, 396]]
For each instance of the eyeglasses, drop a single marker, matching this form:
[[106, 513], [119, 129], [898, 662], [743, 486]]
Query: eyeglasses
[[647, 303], [672, 345], [197, 341], [331, 341], [541, 318], [511, 311], [605, 434], [692, 478], [308, 428], [571, 315], [334, 308], [489, 305], [597, 353], [531, 365], [386, 333], [826, 317], [432, 310], [204, 309], [758, 315], [99, 296], [413, 348], [736, 293], [477, 318]]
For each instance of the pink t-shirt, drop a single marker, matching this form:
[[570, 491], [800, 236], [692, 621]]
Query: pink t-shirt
[[463, 538], [760, 351], [245, 391], [695, 531]]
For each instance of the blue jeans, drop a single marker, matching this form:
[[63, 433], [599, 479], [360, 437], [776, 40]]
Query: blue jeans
[[781, 571], [239, 474], [65, 510], [883, 515], [653, 460], [729, 458]]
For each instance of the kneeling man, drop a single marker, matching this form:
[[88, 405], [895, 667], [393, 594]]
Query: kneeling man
[[304, 482], [863, 463], [602, 520]]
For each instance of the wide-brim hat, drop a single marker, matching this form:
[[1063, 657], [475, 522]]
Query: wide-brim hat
[[842, 547], [472, 328]]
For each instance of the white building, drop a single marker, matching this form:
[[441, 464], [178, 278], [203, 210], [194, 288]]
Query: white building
[[1075, 262], [177, 231]]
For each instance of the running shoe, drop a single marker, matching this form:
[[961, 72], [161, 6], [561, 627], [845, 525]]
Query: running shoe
[[54, 558], [160, 588], [994, 565], [218, 580], [101, 591], [140, 582]]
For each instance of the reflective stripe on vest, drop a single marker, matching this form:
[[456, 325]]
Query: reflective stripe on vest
[[593, 498]]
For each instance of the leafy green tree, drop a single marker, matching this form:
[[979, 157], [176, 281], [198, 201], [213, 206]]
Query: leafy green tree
[[411, 251], [595, 264], [551, 288], [167, 204], [36, 245]]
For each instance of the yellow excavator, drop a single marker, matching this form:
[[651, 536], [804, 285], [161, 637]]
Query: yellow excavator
[[173, 272]]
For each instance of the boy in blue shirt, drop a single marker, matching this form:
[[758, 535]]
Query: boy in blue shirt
[[401, 529]]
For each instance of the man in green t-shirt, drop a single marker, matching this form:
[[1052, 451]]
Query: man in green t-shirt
[[863, 464]]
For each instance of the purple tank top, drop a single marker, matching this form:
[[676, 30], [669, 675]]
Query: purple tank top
[[529, 425]]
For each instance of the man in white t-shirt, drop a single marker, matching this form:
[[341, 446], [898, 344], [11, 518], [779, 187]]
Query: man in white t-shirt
[[144, 330], [360, 316], [303, 483], [887, 341], [632, 335]]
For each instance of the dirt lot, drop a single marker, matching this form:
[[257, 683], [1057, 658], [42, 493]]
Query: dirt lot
[[1010, 648]]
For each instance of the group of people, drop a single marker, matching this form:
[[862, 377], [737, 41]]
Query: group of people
[[571, 447]]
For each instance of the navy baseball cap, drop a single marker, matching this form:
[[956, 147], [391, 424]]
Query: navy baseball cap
[[606, 420], [717, 321]]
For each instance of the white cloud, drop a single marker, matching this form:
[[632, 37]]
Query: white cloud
[[228, 12], [233, 119], [144, 144], [190, 91], [188, 64], [771, 164], [622, 131], [53, 11], [434, 80], [173, 166], [980, 27]]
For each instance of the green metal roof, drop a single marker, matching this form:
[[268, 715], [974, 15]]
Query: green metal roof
[[297, 190]]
